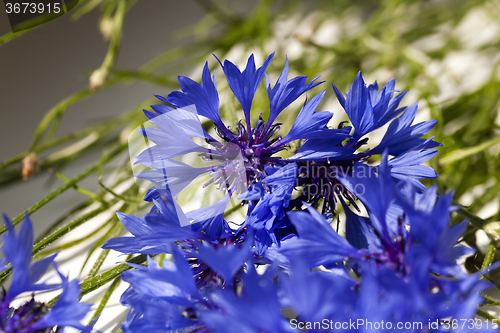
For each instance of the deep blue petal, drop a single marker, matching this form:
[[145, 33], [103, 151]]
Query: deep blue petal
[[244, 84], [204, 97], [312, 125], [286, 92]]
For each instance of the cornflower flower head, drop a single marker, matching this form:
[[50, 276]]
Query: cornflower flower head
[[322, 160], [244, 154], [165, 299], [406, 273], [33, 316], [380, 300], [397, 224], [206, 244], [389, 267]]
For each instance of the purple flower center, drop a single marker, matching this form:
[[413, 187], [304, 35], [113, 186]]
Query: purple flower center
[[320, 181], [20, 320], [244, 155], [203, 274]]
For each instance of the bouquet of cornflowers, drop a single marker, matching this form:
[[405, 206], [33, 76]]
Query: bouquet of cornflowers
[[246, 205], [284, 266]]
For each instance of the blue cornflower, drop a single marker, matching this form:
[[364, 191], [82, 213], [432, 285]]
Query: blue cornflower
[[382, 237], [246, 153], [321, 160], [204, 242], [404, 276], [402, 272], [318, 244], [161, 299], [255, 306], [166, 299], [318, 295], [404, 252], [33, 316], [391, 208], [379, 301]]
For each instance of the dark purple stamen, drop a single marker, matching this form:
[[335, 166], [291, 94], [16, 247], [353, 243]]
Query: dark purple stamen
[[244, 155], [21, 320]]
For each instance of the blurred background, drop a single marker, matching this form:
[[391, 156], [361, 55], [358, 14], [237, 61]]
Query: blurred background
[[73, 88]]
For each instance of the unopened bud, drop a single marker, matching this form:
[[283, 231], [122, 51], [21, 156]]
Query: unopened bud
[[97, 79], [107, 26], [493, 230], [29, 166]]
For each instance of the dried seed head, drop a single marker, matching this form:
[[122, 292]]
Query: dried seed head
[[29, 166]]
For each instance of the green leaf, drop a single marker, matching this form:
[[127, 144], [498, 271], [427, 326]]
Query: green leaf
[[98, 281]]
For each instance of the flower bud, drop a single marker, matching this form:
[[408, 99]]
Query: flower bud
[[29, 165], [106, 26], [493, 230], [97, 79]]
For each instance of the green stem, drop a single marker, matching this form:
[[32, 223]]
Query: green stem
[[119, 196], [95, 282], [486, 315], [59, 110], [114, 45], [61, 107], [98, 263], [99, 76], [70, 244], [477, 221], [105, 299], [58, 222], [232, 210], [490, 301], [488, 258], [51, 132], [104, 253], [81, 190], [11, 35], [63, 188], [4, 275], [100, 129], [67, 228], [463, 153], [113, 232]]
